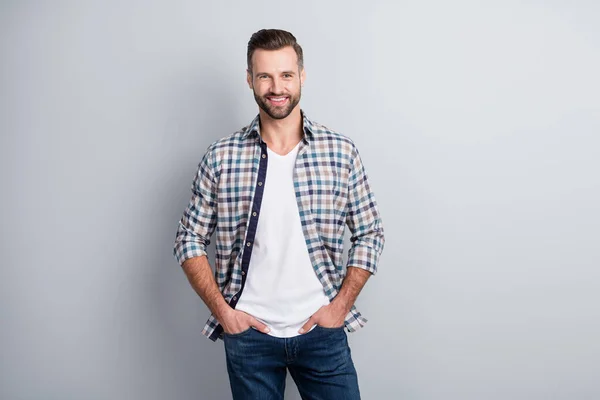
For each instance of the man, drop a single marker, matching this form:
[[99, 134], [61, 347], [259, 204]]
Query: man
[[279, 193]]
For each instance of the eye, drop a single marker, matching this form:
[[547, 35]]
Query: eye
[[287, 75]]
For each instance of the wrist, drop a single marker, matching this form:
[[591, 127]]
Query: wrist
[[342, 304], [222, 311]]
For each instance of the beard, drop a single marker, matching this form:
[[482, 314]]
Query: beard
[[277, 112]]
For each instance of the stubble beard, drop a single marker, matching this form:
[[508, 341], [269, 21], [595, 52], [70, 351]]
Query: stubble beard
[[274, 111]]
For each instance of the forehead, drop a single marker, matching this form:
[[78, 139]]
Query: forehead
[[273, 60]]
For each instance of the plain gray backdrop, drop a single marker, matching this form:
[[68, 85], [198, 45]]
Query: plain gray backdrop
[[477, 122]]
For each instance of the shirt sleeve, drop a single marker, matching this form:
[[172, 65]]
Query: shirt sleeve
[[200, 216], [363, 219]]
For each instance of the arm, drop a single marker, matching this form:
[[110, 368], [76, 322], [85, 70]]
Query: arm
[[200, 216], [193, 235], [367, 236], [363, 220], [200, 276], [367, 240], [354, 281]]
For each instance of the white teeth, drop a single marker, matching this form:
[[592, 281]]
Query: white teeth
[[277, 99]]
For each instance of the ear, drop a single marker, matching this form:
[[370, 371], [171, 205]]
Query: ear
[[249, 78], [302, 77]]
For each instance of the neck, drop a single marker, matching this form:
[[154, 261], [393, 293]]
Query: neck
[[282, 133]]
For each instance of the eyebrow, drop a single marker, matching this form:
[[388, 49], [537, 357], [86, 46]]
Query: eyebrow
[[282, 72]]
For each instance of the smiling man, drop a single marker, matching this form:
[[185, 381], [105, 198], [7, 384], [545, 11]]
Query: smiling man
[[279, 193]]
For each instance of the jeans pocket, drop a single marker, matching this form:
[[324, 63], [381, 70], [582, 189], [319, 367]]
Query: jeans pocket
[[330, 329], [234, 335]]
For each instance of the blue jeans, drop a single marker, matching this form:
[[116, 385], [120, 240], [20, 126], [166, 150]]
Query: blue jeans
[[319, 362]]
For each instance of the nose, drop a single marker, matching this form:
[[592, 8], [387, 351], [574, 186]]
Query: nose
[[277, 86]]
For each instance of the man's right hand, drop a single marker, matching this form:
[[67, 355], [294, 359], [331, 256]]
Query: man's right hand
[[234, 321]]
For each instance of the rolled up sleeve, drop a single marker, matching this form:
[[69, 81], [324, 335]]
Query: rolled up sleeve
[[363, 219], [199, 217]]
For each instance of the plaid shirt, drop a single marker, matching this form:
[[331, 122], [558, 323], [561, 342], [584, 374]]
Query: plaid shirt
[[332, 190]]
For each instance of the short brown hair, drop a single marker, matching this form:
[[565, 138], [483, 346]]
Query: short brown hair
[[273, 39]]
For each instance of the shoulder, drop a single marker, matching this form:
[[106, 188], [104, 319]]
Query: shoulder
[[332, 138], [226, 149], [234, 139], [230, 145]]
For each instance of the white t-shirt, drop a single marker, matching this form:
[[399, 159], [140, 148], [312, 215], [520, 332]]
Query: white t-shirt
[[282, 289]]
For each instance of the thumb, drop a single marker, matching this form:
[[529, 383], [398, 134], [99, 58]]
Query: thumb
[[309, 324], [259, 325]]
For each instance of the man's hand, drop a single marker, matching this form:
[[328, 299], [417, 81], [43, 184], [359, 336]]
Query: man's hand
[[329, 316], [234, 321], [333, 314]]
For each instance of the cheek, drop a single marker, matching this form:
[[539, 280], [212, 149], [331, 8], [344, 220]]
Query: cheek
[[261, 88], [292, 86]]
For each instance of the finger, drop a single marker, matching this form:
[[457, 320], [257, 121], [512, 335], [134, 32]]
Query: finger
[[306, 327], [259, 325]]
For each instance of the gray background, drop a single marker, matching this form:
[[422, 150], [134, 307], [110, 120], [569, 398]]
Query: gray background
[[478, 125]]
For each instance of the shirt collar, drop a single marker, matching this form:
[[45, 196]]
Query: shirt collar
[[254, 127]]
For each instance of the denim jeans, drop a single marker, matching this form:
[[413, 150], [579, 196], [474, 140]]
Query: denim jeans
[[319, 362]]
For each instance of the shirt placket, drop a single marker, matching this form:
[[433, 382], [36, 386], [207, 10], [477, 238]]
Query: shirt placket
[[259, 189]]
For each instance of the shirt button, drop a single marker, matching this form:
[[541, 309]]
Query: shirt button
[[234, 298], [254, 214], [264, 156], [243, 272], [259, 183], [248, 244]]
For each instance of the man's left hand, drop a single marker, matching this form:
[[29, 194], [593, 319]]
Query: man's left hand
[[329, 316]]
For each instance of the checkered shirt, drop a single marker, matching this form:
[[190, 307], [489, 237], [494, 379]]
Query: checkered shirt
[[331, 188]]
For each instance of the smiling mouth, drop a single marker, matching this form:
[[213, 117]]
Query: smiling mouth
[[277, 101]]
